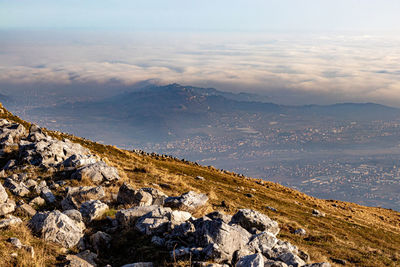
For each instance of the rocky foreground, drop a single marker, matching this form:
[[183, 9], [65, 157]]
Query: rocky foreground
[[37, 171]]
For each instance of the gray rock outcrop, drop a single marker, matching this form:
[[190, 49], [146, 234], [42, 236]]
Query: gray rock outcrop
[[93, 209], [187, 201], [97, 173], [251, 219], [57, 227]]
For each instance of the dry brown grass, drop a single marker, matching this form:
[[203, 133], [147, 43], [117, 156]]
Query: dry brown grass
[[363, 236], [45, 252]]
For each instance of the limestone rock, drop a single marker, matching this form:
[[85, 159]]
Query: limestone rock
[[76, 216], [127, 217], [262, 242], [78, 160], [142, 197], [155, 221], [38, 201], [97, 172], [9, 220], [75, 261], [139, 264], [11, 132], [93, 209], [100, 241], [157, 195], [272, 263], [217, 215], [219, 240], [291, 259], [187, 201], [26, 210], [15, 241], [18, 189], [254, 260], [300, 231], [321, 264], [47, 195], [50, 152], [250, 219], [77, 195], [3, 194], [56, 227], [7, 208], [318, 213]]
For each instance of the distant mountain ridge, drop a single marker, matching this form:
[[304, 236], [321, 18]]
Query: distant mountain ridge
[[176, 110]]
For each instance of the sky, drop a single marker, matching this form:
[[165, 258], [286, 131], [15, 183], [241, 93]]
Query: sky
[[296, 52], [205, 15]]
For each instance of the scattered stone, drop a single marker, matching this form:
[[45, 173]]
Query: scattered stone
[[207, 264], [304, 255], [254, 260], [15, 241], [100, 241], [157, 195], [50, 152], [291, 259], [56, 227], [18, 189], [30, 250], [127, 217], [26, 210], [47, 195], [78, 160], [139, 264], [76, 216], [201, 178], [93, 209], [249, 219], [219, 240], [7, 208], [263, 242], [158, 241], [272, 263], [38, 201], [142, 197], [77, 195], [271, 208], [10, 164], [76, 261], [338, 261], [300, 231], [31, 183], [10, 220], [187, 201], [249, 195], [155, 221], [3, 194], [97, 172], [321, 264], [318, 213], [216, 215]]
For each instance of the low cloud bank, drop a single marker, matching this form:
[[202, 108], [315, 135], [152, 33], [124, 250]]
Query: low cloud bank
[[292, 69]]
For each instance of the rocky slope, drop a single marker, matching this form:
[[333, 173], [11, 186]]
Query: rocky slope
[[71, 202]]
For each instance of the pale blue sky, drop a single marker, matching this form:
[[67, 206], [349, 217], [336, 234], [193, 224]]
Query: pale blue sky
[[204, 15]]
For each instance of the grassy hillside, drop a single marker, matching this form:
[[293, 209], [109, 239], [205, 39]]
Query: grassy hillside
[[362, 236]]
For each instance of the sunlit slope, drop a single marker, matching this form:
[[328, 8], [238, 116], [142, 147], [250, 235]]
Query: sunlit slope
[[362, 236]]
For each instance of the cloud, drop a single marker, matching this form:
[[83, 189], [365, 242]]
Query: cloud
[[291, 69]]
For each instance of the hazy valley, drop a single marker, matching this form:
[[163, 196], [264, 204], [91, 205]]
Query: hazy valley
[[343, 151]]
